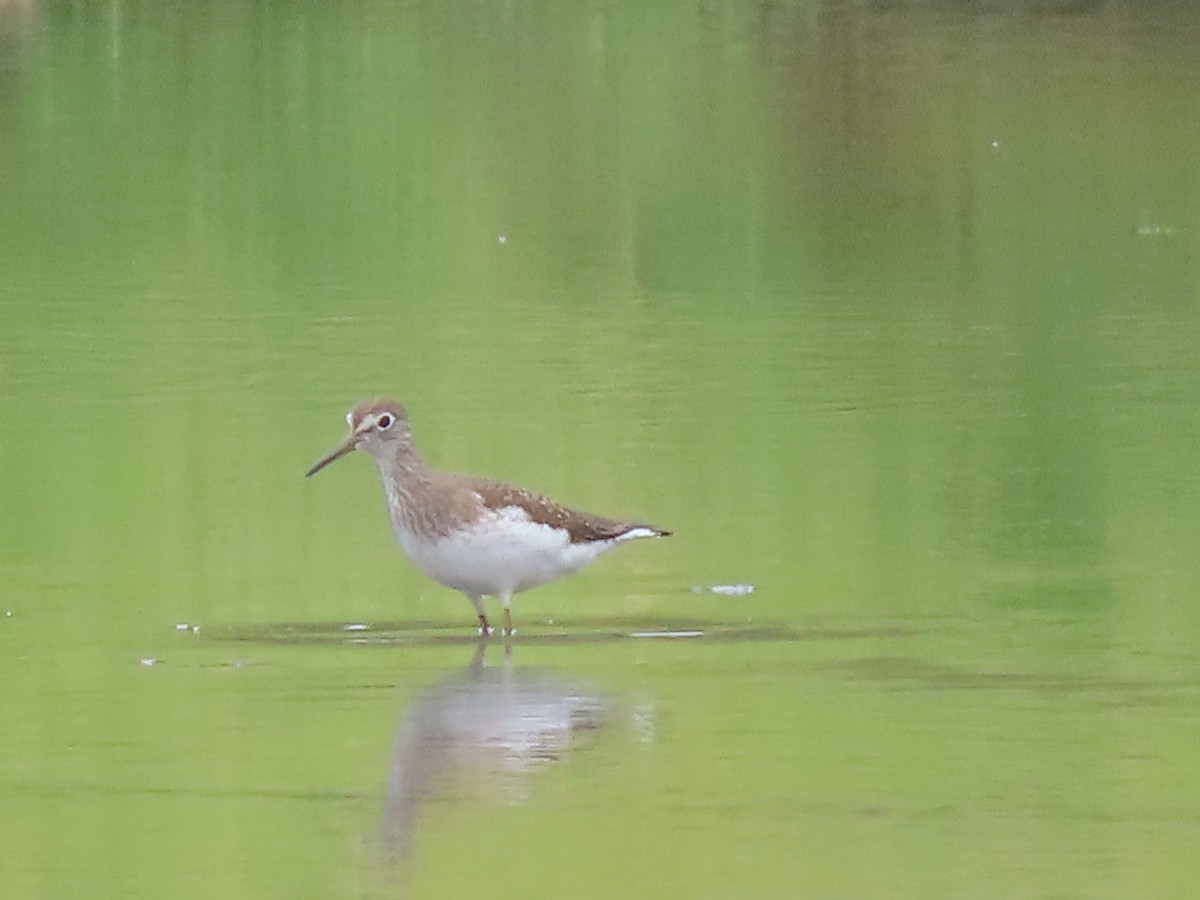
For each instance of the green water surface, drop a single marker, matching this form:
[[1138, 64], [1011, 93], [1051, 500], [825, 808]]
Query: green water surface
[[887, 310]]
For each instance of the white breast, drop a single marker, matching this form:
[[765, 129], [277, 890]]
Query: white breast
[[504, 552]]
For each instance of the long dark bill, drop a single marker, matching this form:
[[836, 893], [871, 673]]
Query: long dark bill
[[335, 454]]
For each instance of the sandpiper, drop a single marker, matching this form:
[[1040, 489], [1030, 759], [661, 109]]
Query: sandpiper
[[475, 535]]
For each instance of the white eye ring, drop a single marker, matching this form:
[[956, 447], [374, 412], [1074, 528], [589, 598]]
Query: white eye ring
[[385, 421]]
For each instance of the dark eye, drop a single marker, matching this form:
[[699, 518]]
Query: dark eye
[[385, 420]]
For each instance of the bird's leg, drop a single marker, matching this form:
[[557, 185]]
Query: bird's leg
[[477, 601], [505, 601]]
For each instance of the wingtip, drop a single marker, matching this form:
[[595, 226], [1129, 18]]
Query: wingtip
[[641, 531]]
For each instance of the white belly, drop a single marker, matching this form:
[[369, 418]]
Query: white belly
[[502, 554]]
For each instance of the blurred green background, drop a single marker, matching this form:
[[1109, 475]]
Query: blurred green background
[[888, 310]]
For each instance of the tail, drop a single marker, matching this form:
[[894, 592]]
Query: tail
[[632, 532]]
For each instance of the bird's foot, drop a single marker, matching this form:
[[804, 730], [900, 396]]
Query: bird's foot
[[485, 630]]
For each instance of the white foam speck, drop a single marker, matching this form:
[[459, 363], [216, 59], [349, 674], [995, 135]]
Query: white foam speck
[[732, 590], [728, 590], [666, 634]]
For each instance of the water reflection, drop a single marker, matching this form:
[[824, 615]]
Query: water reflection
[[478, 735], [17, 20]]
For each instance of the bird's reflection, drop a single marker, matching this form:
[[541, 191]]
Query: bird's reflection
[[480, 734]]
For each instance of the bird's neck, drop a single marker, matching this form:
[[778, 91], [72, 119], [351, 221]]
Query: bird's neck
[[404, 469], [408, 487]]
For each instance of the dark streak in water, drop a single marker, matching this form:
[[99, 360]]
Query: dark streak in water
[[582, 631], [917, 674]]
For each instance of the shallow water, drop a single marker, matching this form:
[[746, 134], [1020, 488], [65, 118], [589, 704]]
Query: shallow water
[[887, 311]]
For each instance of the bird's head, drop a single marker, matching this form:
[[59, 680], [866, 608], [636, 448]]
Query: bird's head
[[376, 426]]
